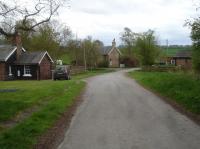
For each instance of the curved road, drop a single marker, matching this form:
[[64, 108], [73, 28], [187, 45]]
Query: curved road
[[117, 113]]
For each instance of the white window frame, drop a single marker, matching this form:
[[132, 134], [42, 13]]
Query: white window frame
[[10, 71], [27, 71], [173, 61], [110, 63]]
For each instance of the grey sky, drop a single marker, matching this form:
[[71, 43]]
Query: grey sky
[[105, 19]]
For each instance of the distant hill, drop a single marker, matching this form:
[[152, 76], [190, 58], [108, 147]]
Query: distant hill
[[173, 49]]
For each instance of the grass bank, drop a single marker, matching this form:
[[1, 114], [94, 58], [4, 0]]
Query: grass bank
[[184, 89], [52, 99]]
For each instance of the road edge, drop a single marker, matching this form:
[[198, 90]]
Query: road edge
[[54, 136], [194, 117]]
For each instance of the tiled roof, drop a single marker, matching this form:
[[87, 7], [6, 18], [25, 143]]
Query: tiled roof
[[31, 57], [105, 50], [184, 54], [5, 51]]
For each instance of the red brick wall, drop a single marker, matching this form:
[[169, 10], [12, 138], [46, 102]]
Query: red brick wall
[[2, 71], [187, 63], [45, 69]]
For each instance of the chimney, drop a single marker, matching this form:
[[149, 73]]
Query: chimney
[[113, 43], [18, 44]]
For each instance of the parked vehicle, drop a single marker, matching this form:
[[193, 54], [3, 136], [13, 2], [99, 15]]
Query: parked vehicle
[[62, 72]]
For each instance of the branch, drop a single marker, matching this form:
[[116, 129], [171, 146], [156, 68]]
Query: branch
[[40, 9], [31, 28], [2, 32], [5, 10]]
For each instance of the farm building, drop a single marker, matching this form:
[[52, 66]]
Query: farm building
[[183, 58]]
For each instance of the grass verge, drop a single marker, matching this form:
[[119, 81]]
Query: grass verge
[[182, 88], [25, 134]]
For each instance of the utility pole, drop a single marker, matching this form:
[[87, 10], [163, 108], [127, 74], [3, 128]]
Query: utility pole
[[167, 43], [84, 56], [76, 49]]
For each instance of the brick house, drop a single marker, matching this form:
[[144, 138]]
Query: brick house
[[183, 58], [16, 64], [111, 55]]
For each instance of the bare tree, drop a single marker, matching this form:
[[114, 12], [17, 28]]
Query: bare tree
[[37, 12]]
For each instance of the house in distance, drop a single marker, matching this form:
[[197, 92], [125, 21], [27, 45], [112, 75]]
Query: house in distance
[[18, 64], [111, 55]]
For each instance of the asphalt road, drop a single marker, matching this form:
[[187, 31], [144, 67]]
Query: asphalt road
[[117, 113]]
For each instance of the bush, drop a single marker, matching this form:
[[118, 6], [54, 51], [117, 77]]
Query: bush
[[128, 61], [161, 68], [103, 64]]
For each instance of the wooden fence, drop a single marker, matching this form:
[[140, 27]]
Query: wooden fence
[[77, 69]]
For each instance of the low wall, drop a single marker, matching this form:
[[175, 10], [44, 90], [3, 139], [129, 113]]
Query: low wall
[[161, 68]]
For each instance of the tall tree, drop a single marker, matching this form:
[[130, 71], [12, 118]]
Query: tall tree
[[194, 25], [147, 48], [128, 38], [195, 36], [92, 51], [38, 11], [45, 39]]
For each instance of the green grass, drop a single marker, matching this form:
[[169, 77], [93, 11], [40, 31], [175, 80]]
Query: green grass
[[58, 95], [28, 94], [182, 88], [25, 134], [172, 51]]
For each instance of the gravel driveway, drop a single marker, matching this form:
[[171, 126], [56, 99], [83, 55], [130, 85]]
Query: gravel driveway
[[117, 113]]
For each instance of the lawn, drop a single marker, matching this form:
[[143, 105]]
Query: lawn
[[52, 99], [172, 51], [182, 88]]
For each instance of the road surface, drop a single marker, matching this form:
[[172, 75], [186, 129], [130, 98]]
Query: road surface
[[117, 113]]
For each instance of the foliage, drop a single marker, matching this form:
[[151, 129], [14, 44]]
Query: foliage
[[140, 46], [39, 12], [49, 37], [128, 61], [92, 52], [75, 51], [195, 35], [45, 39], [180, 87], [103, 63], [128, 38], [147, 49]]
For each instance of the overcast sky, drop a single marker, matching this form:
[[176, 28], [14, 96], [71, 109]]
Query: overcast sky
[[105, 19]]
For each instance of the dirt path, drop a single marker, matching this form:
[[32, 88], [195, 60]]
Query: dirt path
[[117, 113]]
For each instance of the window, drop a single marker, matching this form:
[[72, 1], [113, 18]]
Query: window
[[173, 62], [10, 71], [110, 62], [27, 71]]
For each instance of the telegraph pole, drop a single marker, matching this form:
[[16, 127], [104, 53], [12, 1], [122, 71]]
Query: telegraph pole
[[167, 43], [84, 56]]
